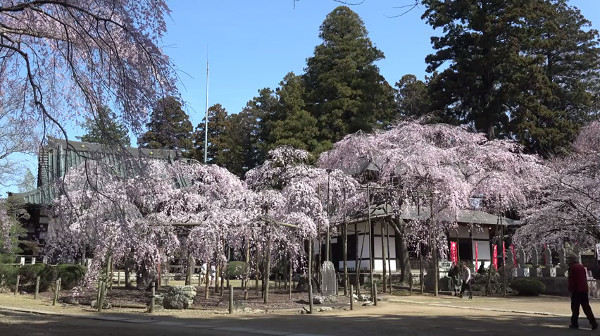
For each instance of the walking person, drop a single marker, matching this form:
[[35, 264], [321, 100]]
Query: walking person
[[466, 281], [579, 293]]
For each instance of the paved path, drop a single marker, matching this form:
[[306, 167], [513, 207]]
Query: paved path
[[413, 315]]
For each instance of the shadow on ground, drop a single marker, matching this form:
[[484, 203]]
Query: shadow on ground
[[391, 319]]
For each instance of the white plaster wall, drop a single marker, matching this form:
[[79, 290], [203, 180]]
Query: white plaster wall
[[483, 249]]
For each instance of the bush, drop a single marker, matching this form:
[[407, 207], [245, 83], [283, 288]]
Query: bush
[[528, 286], [30, 272], [236, 269], [8, 275], [70, 275]]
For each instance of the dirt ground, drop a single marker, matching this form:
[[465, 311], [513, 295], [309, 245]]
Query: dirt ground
[[126, 300], [415, 315]]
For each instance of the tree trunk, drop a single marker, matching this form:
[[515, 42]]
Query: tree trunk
[[267, 269], [247, 270], [400, 228], [384, 243]]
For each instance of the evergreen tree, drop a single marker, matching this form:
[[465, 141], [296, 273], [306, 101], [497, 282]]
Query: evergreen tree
[[238, 141], [169, 127], [524, 69], [216, 148], [105, 129], [345, 91], [412, 97], [294, 125], [28, 182], [259, 114]]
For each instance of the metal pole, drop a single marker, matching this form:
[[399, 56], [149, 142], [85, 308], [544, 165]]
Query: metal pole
[[206, 114]]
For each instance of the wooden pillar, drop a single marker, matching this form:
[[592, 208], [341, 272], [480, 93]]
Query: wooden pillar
[[371, 240], [345, 253], [247, 270], [384, 243], [267, 268]]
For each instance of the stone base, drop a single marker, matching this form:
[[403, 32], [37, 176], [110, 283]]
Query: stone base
[[549, 272], [535, 272], [561, 271], [523, 272]]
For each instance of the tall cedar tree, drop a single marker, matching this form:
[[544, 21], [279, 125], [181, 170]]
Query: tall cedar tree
[[216, 148], [293, 125], [345, 91], [239, 142], [260, 112], [169, 127], [521, 69], [105, 129], [412, 97]]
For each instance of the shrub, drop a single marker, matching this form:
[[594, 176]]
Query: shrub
[[30, 272], [236, 269], [8, 275], [528, 286], [70, 275]]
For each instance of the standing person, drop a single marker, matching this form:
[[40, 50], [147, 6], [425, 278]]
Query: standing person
[[466, 281], [454, 275], [579, 293], [481, 268]]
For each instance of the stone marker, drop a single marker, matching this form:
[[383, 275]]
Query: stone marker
[[521, 257], [329, 282], [547, 256], [535, 257]]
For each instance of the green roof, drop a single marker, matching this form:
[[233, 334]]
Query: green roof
[[58, 156]]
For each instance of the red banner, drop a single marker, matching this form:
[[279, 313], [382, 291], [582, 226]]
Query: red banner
[[476, 255], [453, 252], [495, 257], [515, 264]]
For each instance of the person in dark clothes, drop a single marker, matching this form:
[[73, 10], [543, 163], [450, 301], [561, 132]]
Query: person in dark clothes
[[481, 269], [454, 275], [579, 293]]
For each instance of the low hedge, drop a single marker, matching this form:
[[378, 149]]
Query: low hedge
[[8, 275], [30, 272], [528, 286], [70, 275], [236, 269]]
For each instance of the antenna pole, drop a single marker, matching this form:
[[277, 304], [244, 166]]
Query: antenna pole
[[206, 114]]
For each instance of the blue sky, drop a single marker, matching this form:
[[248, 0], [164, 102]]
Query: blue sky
[[253, 44]]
